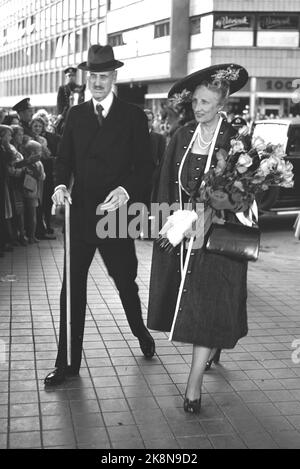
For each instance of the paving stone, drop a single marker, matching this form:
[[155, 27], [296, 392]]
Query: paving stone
[[59, 437], [227, 442], [25, 440], [24, 424]]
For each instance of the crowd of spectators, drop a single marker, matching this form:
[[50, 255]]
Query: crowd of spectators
[[28, 148]]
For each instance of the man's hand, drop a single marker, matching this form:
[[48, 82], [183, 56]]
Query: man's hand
[[60, 195], [115, 200]]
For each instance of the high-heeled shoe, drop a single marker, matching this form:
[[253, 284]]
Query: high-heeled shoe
[[215, 359], [192, 407]]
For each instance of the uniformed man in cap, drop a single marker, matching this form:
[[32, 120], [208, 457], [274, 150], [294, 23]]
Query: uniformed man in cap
[[68, 95], [25, 111]]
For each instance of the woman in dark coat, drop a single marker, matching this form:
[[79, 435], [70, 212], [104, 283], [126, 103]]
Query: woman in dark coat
[[206, 304]]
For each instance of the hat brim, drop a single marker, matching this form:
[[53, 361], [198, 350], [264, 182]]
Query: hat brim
[[104, 67], [191, 82]]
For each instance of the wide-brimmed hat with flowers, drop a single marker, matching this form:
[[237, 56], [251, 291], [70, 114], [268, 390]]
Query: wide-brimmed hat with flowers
[[235, 75]]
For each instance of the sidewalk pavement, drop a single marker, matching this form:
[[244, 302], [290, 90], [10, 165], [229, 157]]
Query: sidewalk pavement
[[121, 400]]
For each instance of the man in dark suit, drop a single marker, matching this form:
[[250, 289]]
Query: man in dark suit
[[66, 96], [105, 147]]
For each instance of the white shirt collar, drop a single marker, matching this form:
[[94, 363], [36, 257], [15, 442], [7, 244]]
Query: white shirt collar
[[106, 103]]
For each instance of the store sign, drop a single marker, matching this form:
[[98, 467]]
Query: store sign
[[275, 84], [282, 22], [230, 22]]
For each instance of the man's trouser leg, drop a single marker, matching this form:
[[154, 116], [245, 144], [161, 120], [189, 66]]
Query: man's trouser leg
[[121, 262], [81, 256]]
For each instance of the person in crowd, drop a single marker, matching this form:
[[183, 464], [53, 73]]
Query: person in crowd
[[209, 312], [6, 133], [16, 170], [238, 123], [106, 148], [39, 134], [25, 111], [5, 200], [33, 185], [68, 95], [11, 118], [2, 115], [53, 142]]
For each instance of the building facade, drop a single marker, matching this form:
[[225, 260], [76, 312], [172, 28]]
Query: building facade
[[159, 41]]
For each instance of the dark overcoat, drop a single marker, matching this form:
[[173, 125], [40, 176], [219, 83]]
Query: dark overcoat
[[102, 159], [203, 269]]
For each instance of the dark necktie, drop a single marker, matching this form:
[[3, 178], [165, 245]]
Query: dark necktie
[[100, 116]]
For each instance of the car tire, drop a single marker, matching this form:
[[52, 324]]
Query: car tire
[[266, 200]]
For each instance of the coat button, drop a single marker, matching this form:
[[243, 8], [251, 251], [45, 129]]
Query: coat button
[[197, 169], [189, 271], [177, 164], [196, 179], [185, 290], [185, 147]]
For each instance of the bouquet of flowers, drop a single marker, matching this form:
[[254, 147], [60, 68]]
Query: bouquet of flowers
[[243, 172]]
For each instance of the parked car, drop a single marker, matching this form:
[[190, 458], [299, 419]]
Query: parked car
[[279, 200]]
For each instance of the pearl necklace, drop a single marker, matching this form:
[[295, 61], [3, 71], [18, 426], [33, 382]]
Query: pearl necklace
[[203, 144]]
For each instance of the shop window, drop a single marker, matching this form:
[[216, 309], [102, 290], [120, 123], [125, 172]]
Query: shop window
[[278, 30], [234, 29], [162, 29]]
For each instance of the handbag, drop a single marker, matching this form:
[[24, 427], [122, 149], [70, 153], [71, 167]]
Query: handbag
[[234, 240]]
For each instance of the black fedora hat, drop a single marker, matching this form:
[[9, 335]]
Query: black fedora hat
[[235, 75], [100, 59]]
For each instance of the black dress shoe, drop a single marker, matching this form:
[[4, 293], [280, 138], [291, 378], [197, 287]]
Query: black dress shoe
[[215, 359], [147, 344], [58, 376], [192, 407]]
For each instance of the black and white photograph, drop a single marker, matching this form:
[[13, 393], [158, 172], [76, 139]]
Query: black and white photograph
[[149, 227]]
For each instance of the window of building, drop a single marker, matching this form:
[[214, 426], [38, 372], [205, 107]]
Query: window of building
[[195, 25], [115, 40], [66, 13], [71, 43], [85, 43], [94, 34], [162, 29], [77, 41], [278, 30], [101, 33], [94, 8], [86, 10]]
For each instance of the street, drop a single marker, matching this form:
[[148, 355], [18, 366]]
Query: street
[[251, 399]]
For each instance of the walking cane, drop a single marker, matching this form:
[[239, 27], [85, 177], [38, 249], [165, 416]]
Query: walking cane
[[68, 276]]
